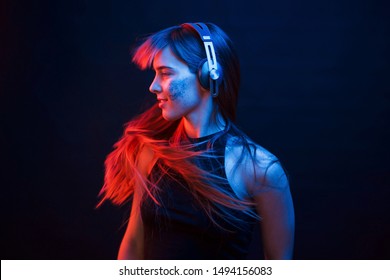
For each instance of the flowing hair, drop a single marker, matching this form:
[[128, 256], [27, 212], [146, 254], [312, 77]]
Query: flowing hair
[[167, 139]]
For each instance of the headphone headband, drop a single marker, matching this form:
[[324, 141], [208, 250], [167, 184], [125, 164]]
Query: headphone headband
[[205, 35]]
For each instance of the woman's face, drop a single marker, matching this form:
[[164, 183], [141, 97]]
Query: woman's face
[[177, 89]]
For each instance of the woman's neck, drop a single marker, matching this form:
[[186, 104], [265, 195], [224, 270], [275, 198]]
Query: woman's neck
[[203, 125]]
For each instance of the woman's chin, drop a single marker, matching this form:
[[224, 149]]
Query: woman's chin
[[170, 117]]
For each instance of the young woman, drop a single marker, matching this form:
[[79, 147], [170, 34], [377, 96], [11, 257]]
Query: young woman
[[197, 183]]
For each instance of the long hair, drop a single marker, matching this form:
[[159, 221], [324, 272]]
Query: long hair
[[167, 138]]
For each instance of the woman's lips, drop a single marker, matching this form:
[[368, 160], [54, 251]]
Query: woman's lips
[[161, 102]]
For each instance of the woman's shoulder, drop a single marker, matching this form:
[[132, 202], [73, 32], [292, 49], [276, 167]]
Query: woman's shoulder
[[241, 144], [248, 152], [146, 159], [258, 168]]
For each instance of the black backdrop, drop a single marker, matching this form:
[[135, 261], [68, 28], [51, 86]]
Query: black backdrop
[[315, 91]]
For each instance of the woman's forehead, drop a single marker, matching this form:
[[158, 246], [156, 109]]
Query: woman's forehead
[[166, 58]]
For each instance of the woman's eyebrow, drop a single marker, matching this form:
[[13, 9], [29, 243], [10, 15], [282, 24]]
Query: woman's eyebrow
[[163, 67]]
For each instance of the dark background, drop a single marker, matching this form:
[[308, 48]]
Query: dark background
[[315, 92]]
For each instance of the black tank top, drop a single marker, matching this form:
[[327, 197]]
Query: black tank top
[[178, 228]]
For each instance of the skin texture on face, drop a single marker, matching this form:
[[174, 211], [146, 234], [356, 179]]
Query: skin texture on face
[[176, 88]]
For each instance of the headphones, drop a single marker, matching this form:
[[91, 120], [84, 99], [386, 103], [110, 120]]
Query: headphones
[[209, 72]]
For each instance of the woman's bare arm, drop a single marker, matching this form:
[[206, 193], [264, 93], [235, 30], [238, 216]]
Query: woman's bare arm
[[275, 207], [133, 240]]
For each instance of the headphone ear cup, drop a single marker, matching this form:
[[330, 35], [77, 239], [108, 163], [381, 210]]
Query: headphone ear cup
[[204, 74]]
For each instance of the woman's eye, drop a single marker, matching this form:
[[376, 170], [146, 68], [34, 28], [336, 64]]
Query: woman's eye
[[165, 74]]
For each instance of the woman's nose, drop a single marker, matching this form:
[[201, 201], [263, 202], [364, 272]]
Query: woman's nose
[[155, 86]]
